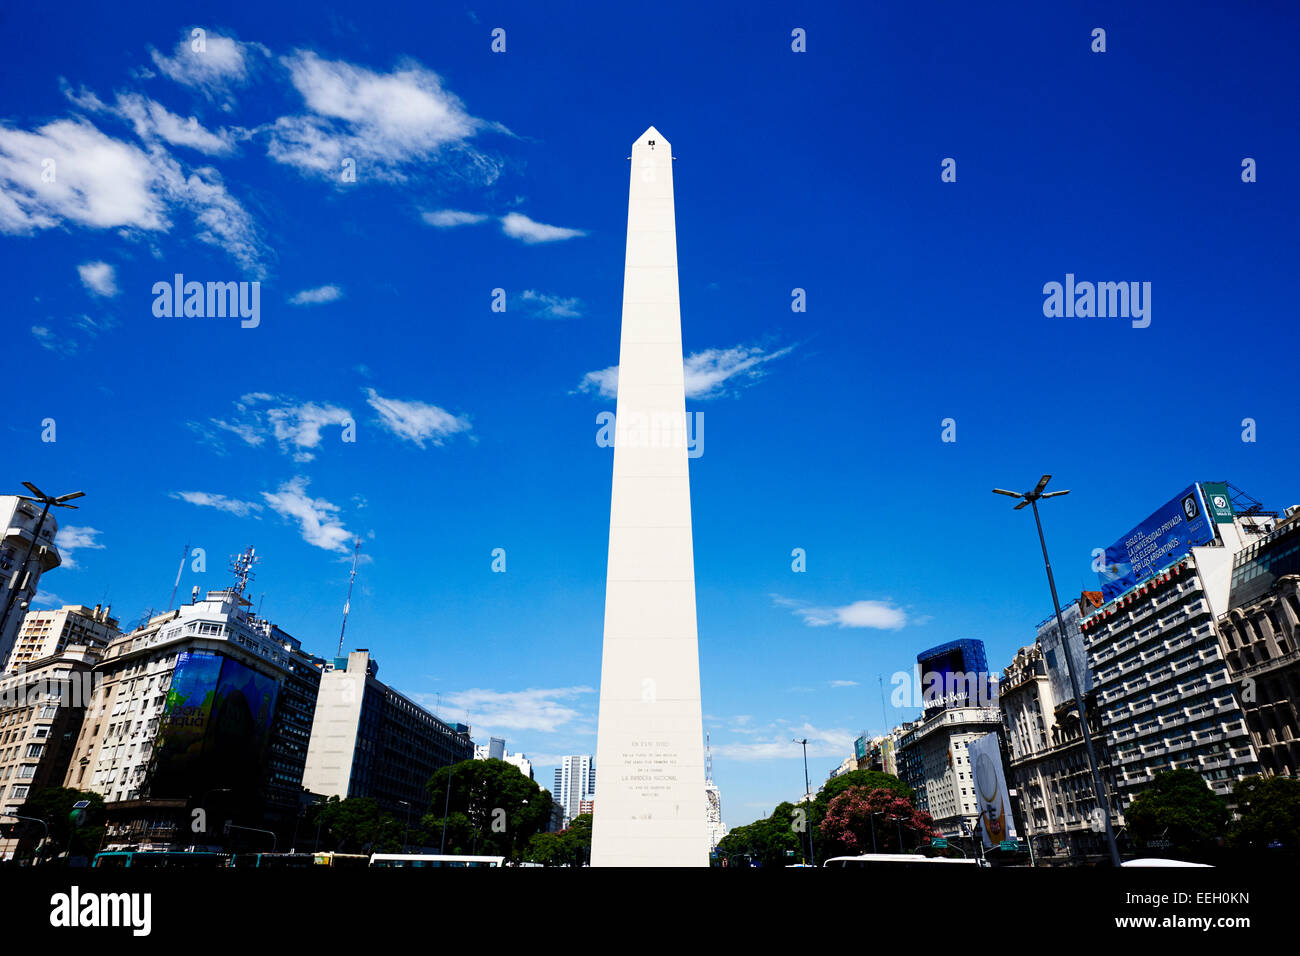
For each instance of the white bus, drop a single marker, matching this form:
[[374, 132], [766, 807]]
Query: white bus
[[892, 861], [433, 859]]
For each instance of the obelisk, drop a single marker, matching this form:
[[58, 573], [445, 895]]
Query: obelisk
[[650, 799]]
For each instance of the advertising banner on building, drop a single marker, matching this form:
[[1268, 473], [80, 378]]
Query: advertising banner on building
[[996, 822], [1218, 500], [1168, 534]]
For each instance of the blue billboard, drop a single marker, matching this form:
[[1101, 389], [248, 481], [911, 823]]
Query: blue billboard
[[1168, 534]]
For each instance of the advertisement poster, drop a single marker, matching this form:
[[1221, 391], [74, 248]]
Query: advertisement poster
[[1168, 534], [995, 823]]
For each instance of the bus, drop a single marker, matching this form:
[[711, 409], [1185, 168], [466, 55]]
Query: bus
[[433, 860], [157, 859], [341, 860], [892, 861], [272, 861]]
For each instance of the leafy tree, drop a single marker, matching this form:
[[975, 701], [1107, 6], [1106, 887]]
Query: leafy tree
[[847, 827], [1181, 808], [1270, 811], [569, 847], [870, 779], [494, 809], [358, 825], [54, 805], [779, 840]]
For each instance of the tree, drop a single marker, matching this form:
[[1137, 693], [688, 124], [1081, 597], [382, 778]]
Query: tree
[[54, 805], [779, 840], [870, 779], [494, 809], [847, 827], [1270, 813], [358, 825], [569, 847], [1181, 808]]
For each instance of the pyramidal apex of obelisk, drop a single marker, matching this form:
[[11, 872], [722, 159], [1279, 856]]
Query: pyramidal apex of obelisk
[[650, 799]]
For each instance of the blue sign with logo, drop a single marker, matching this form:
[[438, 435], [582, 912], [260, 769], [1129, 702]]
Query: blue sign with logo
[[1182, 524]]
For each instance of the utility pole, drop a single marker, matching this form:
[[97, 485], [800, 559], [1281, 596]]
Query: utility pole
[[807, 790]]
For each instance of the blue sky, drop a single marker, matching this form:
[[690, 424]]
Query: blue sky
[[476, 429]]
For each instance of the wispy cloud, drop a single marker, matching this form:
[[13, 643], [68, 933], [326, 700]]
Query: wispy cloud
[[518, 226], [98, 278], [712, 373], [844, 683], [552, 306], [779, 745], [881, 615], [234, 506], [326, 293], [387, 123], [317, 519], [416, 421], [450, 218], [545, 710], [72, 538], [209, 63], [297, 427]]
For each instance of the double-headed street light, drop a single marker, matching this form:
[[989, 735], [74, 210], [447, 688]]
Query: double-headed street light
[[17, 581], [1031, 498]]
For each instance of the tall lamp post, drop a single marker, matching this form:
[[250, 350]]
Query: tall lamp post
[[1031, 498], [807, 792], [49, 501]]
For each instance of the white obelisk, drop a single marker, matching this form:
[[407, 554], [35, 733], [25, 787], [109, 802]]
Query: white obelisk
[[650, 799]]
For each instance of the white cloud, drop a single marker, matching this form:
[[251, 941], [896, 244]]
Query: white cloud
[[233, 506], [298, 427], [68, 171], [383, 121], [221, 63], [844, 683], [881, 615], [98, 277], [539, 709], [518, 226], [326, 293], [71, 538], [317, 518], [416, 421], [53, 342], [712, 373], [834, 742], [553, 306], [449, 218], [152, 121]]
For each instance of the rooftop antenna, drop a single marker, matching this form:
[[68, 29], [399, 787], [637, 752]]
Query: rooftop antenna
[[356, 554], [259, 603], [708, 760], [179, 571], [884, 713], [241, 566]]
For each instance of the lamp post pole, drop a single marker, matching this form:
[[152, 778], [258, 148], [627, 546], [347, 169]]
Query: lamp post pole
[[807, 792], [1031, 498]]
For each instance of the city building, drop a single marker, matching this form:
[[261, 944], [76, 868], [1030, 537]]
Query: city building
[[369, 740], [202, 707], [19, 518], [494, 749], [1162, 684], [712, 800], [575, 779], [522, 762], [846, 765], [932, 760], [1261, 643], [878, 753], [41, 712], [46, 633], [1063, 655], [1048, 764]]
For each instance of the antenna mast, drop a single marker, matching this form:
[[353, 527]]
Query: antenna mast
[[179, 571], [356, 553], [708, 760], [241, 566]]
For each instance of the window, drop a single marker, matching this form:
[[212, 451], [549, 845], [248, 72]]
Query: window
[[35, 750], [27, 771], [20, 792]]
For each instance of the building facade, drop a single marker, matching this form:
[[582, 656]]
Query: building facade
[[41, 712], [369, 740], [933, 761], [46, 633], [1261, 642], [575, 780], [18, 519]]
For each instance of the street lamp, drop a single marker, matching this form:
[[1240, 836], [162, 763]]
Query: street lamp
[[1031, 498], [17, 816], [406, 832], [49, 501], [807, 792]]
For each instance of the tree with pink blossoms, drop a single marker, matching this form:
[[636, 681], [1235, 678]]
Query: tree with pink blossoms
[[847, 827]]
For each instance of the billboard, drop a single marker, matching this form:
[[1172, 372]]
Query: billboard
[[1065, 654], [996, 822], [1169, 533], [955, 674], [215, 728]]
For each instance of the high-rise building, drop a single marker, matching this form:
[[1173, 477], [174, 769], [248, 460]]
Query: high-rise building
[[650, 731], [1061, 655], [575, 779], [1163, 687], [494, 749], [522, 762], [933, 761], [41, 712], [202, 707], [369, 740], [712, 800], [1261, 642], [46, 633], [18, 519]]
